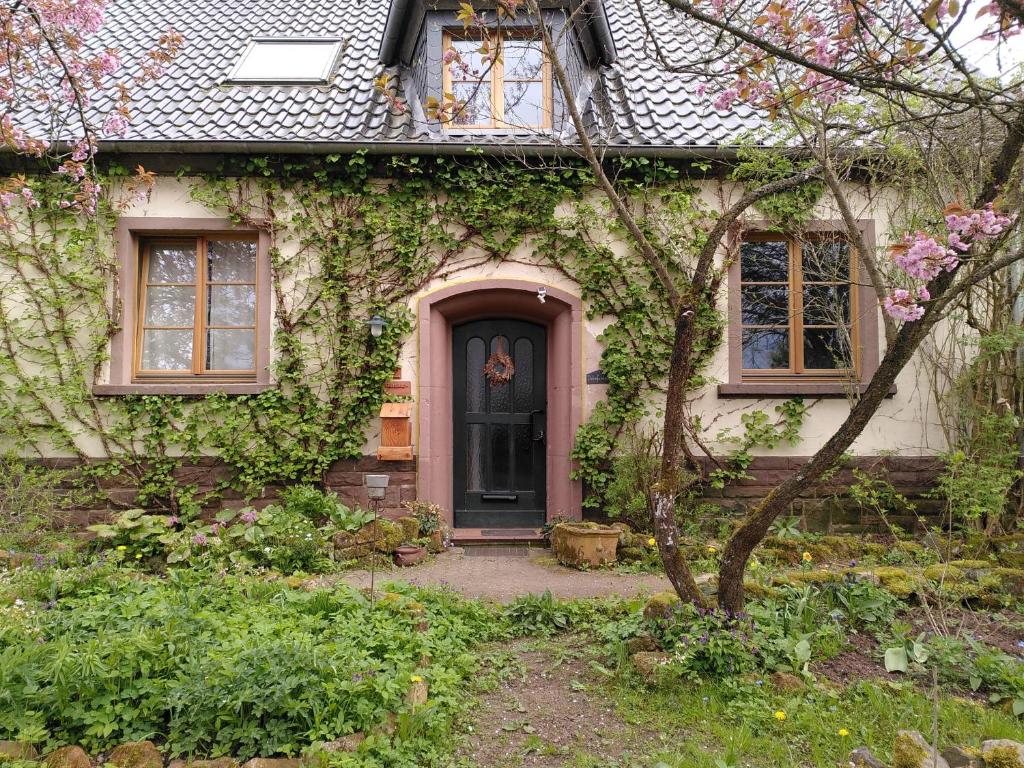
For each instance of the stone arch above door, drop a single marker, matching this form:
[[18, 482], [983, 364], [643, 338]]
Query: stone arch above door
[[562, 314]]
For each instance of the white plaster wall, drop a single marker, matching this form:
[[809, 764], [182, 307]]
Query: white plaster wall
[[905, 424]]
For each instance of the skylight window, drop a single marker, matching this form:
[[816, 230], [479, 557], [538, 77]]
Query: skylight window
[[286, 60]]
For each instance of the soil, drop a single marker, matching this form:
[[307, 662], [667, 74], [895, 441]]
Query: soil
[[505, 577], [855, 663], [551, 713], [1002, 630]]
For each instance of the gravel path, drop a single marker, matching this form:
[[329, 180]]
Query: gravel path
[[505, 577]]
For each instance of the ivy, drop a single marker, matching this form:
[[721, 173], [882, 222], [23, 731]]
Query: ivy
[[759, 431], [784, 210]]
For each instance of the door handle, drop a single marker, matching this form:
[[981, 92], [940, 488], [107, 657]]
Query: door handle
[[537, 424]]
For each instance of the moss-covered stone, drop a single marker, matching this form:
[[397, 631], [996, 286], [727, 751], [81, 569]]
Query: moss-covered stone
[[971, 565], [1002, 753], [16, 750], [136, 754], [67, 757], [1011, 580], [631, 554], [1011, 559], [944, 572], [755, 590], [410, 527], [661, 606], [795, 578], [899, 581], [909, 752]]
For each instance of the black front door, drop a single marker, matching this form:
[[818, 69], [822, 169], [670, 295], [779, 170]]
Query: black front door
[[499, 402]]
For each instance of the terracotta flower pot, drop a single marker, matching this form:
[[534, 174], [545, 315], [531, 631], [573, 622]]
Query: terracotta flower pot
[[409, 555]]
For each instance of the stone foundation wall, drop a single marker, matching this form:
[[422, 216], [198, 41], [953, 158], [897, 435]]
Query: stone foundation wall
[[827, 508]]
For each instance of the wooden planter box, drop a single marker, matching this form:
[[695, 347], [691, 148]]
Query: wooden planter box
[[584, 546]]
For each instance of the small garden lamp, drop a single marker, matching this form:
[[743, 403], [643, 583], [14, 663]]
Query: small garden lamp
[[376, 324], [376, 488]]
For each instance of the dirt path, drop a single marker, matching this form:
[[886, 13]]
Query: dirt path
[[549, 712], [505, 577]]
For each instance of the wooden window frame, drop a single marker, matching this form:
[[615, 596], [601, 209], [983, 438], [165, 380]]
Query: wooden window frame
[[200, 325], [497, 80], [121, 379], [796, 380]]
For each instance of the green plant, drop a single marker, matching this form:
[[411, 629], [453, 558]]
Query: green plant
[[786, 528], [537, 615], [634, 475], [429, 516]]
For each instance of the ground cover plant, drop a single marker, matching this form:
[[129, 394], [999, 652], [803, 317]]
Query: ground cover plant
[[209, 664]]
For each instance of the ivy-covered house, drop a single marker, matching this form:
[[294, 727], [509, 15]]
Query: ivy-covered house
[[326, 280]]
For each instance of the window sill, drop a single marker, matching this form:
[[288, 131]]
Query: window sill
[[197, 389], [794, 389]]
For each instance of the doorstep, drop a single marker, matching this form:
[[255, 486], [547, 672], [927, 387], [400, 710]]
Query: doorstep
[[462, 536]]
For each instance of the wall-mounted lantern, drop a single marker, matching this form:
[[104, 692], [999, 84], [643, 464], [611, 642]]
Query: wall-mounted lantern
[[376, 324]]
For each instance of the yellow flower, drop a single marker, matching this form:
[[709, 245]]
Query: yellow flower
[[651, 542], [807, 557], [138, 556], [121, 548], [780, 715], [415, 679], [843, 732], [712, 550]]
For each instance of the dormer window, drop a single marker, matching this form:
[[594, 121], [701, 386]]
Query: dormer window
[[509, 90]]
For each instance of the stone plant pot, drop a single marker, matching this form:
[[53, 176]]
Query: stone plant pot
[[584, 545], [409, 555]]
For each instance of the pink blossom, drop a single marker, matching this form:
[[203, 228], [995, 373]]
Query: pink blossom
[[115, 124], [923, 257], [200, 540], [249, 517], [29, 197], [173, 521], [902, 306]]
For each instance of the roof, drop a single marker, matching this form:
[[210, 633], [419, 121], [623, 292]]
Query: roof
[[635, 103]]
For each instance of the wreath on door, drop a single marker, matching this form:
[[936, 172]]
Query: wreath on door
[[499, 368]]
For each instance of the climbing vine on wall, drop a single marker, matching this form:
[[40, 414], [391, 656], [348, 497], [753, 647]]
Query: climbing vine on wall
[[350, 237]]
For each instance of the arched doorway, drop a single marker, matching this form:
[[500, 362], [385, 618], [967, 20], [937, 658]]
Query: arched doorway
[[543, 489]]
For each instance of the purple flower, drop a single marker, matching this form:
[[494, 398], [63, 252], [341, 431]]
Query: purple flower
[[199, 540], [250, 516], [172, 521]]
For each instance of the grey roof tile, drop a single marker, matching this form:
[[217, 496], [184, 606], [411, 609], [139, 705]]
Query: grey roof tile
[[635, 101]]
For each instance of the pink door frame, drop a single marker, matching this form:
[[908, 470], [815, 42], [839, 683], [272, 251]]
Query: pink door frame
[[562, 314]]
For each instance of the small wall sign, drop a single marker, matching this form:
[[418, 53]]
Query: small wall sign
[[597, 377]]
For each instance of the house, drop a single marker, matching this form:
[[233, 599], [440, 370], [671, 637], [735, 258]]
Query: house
[[502, 363]]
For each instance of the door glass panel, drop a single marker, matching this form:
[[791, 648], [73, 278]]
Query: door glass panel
[[522, 451], [476, 382], [826, 348], [166, 350], [522, 382], [500, 458], [500, 395], [474, 456], [170, 305], [172, 263], [765, 348], [230, 350]]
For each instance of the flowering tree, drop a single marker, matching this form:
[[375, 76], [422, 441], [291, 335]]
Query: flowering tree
[[61, 92], [844, 87]]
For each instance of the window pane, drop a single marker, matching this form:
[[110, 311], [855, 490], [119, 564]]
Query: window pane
[[765, 348], [765, 304], [471, 64], [170, 305], [230, 350], [473, 103], [232, 305], [523, 59], [283, 60], [474, 457], [524, 103], [826, 304], [476, 382], [501, 400], [166, 350], [764, 262], [522, 382], [172, 263], [826, 348], [826, 259], [232, 261], [500, 458]]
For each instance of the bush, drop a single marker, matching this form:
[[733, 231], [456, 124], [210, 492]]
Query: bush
[[228, 665], [635, 471]]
